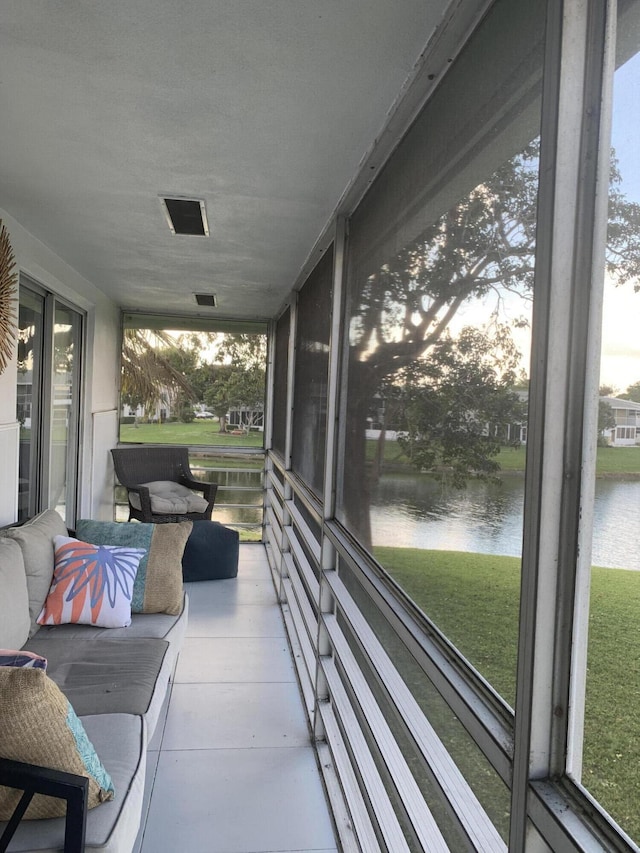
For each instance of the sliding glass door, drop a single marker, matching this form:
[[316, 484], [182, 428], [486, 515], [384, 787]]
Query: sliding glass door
[[49, 362], [30, 350]]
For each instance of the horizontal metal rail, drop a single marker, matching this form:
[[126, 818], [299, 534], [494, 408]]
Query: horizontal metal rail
[[464, 804], [424, 825], [483, 713], [342, 761], [303, 566], [307, 534]]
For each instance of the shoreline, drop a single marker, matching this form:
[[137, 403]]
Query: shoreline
[[399, 468]]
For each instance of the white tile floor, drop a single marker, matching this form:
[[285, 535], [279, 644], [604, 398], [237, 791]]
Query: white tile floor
[[231, 768]]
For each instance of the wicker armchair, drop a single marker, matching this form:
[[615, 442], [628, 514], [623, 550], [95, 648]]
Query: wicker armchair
[[139, 467]]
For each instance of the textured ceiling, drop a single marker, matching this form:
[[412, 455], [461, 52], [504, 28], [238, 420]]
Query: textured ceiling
[[264, 108]]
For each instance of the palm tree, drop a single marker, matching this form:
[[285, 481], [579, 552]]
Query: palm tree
[[147, 376]]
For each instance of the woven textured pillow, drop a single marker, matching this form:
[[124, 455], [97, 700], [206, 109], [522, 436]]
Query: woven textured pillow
[[9, 657], [92, 584], [158, 584], [40, 727]]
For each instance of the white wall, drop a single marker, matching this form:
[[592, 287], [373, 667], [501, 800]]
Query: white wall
[[100, 379]]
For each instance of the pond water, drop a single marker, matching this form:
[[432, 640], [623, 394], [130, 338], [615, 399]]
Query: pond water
[[416, 511]]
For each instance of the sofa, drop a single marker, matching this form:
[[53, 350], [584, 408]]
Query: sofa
[[114, 680]]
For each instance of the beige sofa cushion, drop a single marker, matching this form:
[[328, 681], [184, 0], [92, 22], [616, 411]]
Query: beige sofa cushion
[[14, 598], [35, 538]]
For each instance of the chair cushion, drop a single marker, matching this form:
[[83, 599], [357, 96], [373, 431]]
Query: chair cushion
[[158, 584], [92, 584], [170, 498], [15, 622], [211, 552], [35, 538], [40, 727]]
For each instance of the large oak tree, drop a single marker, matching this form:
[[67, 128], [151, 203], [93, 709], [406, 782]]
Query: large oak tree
[[402, 320]]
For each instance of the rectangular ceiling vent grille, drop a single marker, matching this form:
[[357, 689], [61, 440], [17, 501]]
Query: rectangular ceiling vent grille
[[186, 216], [208, 299]]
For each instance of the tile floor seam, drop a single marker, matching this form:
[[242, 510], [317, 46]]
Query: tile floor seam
[[241, 681], [234, 637], [168, 750]]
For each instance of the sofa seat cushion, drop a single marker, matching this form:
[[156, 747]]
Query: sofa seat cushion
[[161, 626], [170, 498], [108, 677], [112, 827]]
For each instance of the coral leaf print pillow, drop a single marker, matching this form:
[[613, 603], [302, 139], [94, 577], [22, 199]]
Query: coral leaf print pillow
[[92, 584]]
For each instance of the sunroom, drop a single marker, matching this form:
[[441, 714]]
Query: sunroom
[[430, 210]]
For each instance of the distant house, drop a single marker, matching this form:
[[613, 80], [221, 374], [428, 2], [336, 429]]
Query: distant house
[[625, 433], [246, 417], [159, 412], [627, 416]]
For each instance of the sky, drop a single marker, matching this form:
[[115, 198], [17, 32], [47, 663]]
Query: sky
[[620, 354], [620, 362]]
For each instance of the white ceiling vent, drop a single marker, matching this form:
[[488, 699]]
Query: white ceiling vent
[[186, 215]]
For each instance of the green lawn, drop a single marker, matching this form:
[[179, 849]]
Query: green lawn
[[618, 460], [197, 432], [211, 461], [473, 598], [611, 461], [393, 453]]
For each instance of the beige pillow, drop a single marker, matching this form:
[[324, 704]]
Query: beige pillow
[[40, 727], [14, 598], [35, 538]]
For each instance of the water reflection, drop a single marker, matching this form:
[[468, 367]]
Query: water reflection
[[417, 511]]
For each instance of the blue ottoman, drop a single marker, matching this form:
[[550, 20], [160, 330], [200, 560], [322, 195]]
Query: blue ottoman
[[211, 552]]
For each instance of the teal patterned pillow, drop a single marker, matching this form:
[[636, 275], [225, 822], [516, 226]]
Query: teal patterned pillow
[[158, 584]]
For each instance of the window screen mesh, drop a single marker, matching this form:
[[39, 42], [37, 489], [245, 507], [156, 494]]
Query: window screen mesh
[[281, 363], [312, 363], [425, 229]]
